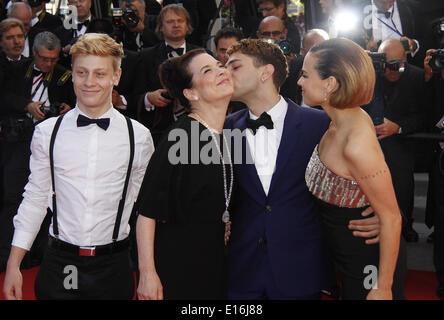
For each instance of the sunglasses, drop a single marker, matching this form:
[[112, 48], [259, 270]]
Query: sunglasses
[[394, 65], [271, 33]]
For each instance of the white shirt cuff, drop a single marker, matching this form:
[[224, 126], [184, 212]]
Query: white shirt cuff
[[23, 239], [148, 105], [124, 103], [417, 48]]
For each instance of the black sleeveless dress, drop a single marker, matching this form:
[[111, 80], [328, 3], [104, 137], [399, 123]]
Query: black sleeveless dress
[[338, 201]]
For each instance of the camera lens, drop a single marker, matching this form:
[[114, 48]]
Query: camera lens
[[285, 47]]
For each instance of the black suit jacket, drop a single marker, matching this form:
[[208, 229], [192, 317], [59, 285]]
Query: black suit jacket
[[404, 100], [408, 24], [47, 22], [130, 68], [17, 92], [148, 80], [148, 36]]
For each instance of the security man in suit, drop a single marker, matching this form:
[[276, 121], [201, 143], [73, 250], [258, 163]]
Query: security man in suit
[[37, 89], [156, 110]]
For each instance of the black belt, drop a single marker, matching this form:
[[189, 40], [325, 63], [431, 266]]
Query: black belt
[[89, 251]]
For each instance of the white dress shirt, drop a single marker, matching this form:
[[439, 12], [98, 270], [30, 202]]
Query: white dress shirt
[[265, 143], [35, 20], [90, 166], [26, 49]]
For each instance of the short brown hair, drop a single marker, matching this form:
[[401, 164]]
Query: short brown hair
[[351, 66], [263, 53], [9, 23], [98, 44], [180, 11]]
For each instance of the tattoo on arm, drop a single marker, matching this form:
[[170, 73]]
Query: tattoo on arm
[[374, 175]]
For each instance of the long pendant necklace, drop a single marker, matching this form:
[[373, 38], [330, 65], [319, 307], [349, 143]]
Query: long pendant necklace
[[227, 192]]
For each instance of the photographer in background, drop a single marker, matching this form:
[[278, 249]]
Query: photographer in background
[[278, 8], [79, 24], [155, 109], [434, 77], [399, 100], [36, 89], [137, 28]]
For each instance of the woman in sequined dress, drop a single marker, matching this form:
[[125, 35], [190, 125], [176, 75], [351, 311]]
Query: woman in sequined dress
[[347, 170]]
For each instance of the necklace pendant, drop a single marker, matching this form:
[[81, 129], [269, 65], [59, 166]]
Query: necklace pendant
[[226, 216]]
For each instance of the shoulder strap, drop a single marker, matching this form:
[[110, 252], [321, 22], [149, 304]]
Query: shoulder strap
[[55, 227], [125, 187]]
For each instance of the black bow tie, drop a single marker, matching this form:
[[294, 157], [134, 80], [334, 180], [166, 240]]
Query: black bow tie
[[263, 120], [386, 13], [36, 73], [80, 25], [170, 49], [83, 121]]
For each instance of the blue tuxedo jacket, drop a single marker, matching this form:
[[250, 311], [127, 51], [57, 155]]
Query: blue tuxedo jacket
[[286, 218]]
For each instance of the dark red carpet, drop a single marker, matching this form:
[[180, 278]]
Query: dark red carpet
[[421, 285]]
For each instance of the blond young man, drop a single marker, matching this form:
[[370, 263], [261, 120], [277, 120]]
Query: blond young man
[[94, 160]]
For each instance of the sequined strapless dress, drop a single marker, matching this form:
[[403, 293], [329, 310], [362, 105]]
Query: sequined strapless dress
[[340, 200]]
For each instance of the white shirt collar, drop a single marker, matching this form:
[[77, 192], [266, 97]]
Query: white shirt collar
[[276, 112], [182, 46], [35, 20]]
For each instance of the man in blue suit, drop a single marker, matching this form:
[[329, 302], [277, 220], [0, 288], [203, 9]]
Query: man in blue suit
[[275, 250]]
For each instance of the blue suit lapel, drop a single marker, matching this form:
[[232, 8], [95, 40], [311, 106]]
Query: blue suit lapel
[[289, 140]]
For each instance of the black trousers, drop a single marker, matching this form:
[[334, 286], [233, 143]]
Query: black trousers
[[66, 276], [15, 164], [435, 213]]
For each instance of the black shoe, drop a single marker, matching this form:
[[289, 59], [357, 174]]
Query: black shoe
[[440, 291], [410, 235], [430, 237]]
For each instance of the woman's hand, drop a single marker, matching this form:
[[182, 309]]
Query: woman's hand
[[380, 294], [150, 287]]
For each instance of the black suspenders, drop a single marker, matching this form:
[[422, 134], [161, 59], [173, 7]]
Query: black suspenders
[[125, 187]]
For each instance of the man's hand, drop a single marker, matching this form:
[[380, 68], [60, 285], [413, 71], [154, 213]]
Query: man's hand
[[427, 68], [12, 287], [412, 44], [366, 228], [64, 108], [156, 98], [371, 44], [117, 99], [34, 109], [66, 49], [386, 129]]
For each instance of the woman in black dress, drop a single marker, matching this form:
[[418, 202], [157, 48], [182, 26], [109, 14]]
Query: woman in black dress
[[347, 170], [187, 188]]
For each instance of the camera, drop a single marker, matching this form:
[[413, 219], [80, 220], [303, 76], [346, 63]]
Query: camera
[[166, 95], [437, 61], [285, 45], [53, 110], [128, 15], [379, 61]]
